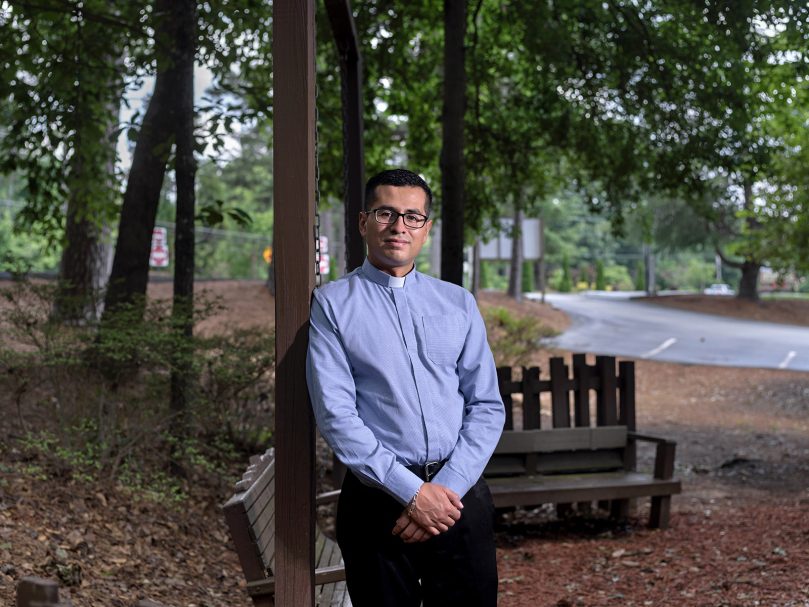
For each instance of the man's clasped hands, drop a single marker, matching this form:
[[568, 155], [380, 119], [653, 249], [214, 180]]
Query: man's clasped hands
[[436, 509]]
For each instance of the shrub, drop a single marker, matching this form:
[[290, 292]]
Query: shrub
[[100, 395], [601, 281], [565, 284], [513, 339], [527, 276]]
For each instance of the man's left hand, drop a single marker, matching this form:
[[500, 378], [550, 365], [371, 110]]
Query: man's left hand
[[409, 530]]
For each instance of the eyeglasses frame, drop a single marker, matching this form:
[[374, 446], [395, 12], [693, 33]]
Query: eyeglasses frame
[[398, 215]]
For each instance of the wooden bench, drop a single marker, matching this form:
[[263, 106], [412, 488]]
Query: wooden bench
[[583, 457], [250, 516]]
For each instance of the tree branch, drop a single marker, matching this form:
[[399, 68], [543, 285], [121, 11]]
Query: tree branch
[[66, 7]]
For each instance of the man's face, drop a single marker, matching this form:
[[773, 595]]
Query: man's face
[[393, 247]]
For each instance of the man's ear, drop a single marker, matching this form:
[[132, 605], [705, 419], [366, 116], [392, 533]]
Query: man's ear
[[363, 224]]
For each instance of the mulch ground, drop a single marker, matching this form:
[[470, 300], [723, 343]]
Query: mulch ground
[[739, 533]]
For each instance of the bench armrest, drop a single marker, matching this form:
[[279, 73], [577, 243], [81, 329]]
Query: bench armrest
[[664, 455], [327, 497], [648, 438]]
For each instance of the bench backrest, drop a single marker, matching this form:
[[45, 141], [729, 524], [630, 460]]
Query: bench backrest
[[559, 450], [250, 517], [614, 392], [577, 440]]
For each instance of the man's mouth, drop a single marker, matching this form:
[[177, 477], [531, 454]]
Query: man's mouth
[[396, 241]]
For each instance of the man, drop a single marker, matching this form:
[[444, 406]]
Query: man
[[404, 390]]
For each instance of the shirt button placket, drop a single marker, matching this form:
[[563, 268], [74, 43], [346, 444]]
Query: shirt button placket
[[409, 335]]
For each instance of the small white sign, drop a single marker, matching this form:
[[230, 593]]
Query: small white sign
[[324, 244], [324, 263], [499, 248], [159, 256]]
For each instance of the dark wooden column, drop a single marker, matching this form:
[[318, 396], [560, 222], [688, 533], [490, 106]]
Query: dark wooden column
[[453, 169], [345, 36], [294, 259]]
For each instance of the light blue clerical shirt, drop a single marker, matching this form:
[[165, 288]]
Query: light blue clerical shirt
[[400, 373]]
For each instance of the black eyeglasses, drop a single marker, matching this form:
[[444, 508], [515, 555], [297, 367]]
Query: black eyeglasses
[[388, 216]]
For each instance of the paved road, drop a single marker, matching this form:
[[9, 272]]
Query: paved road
[[612, 324]]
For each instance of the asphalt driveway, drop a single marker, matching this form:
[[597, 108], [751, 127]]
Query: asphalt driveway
[[612, 323]]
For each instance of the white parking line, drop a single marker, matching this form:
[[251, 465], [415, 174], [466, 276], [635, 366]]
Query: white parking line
[[664, 346], [784, 363]]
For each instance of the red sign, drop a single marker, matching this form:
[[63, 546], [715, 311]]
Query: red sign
[[159, 256]]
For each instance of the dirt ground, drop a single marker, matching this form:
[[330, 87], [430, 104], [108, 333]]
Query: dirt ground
[[739, 534]]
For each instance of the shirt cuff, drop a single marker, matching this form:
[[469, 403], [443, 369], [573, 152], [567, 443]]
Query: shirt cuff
[[402, 484], [451, 479]]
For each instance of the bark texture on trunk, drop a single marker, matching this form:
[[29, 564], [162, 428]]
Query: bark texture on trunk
[[81, 268], [184, 14], [452, 159], [515, 269], [748, 283], [84, 265], [130, 266]]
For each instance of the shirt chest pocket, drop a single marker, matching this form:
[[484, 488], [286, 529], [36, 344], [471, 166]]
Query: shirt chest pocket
[[444, 337]]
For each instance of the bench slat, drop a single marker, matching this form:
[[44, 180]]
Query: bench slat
[[250, 515], [239, 528], [561, 439], [536, 490], [263, 526], [562, 462], [260, 502]]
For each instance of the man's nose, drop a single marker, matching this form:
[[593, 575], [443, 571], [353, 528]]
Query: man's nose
[[395, 226]]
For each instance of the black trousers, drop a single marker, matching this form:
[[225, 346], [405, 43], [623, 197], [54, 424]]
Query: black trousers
[[455, 568]]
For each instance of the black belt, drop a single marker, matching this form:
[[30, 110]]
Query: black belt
[[426, 471]]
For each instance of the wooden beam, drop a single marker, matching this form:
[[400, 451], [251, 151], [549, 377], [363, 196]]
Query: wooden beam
[[294, 257], [348, 48]]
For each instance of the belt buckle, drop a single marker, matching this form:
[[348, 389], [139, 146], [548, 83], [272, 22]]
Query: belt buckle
[[431, 469]]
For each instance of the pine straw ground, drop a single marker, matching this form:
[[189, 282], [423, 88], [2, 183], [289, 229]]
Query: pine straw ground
[[739, 533]]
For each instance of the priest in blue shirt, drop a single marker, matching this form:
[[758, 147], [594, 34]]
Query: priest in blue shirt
[[404, 389]]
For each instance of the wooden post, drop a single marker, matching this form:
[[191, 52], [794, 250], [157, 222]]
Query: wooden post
[[345, 35], [531, 412], [504, 382], [36, 591], [560, 397], [581, 374], [294, 259], [348, 48]]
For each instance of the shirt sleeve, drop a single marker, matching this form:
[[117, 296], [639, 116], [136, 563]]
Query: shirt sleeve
[[484, 413], [334, 402]]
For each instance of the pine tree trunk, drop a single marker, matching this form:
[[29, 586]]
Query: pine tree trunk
[[515, 272], [130, 266], [83, 267], [748, 284], [185, 172], [452, 160]]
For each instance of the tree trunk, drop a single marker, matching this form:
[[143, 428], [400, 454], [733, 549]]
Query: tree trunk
[[184, 13], [476, 268], [748, 283], [515, 272], [83, 267], [452, 160], [130, 266]]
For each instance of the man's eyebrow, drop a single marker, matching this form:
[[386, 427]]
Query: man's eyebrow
[[417, 211]]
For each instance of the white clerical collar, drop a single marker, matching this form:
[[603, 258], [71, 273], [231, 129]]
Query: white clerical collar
[[383, 278]]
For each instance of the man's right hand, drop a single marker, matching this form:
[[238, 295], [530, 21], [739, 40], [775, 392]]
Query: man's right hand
[[436, 510]]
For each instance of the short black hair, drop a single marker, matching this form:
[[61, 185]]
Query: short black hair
[[399, 178]]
